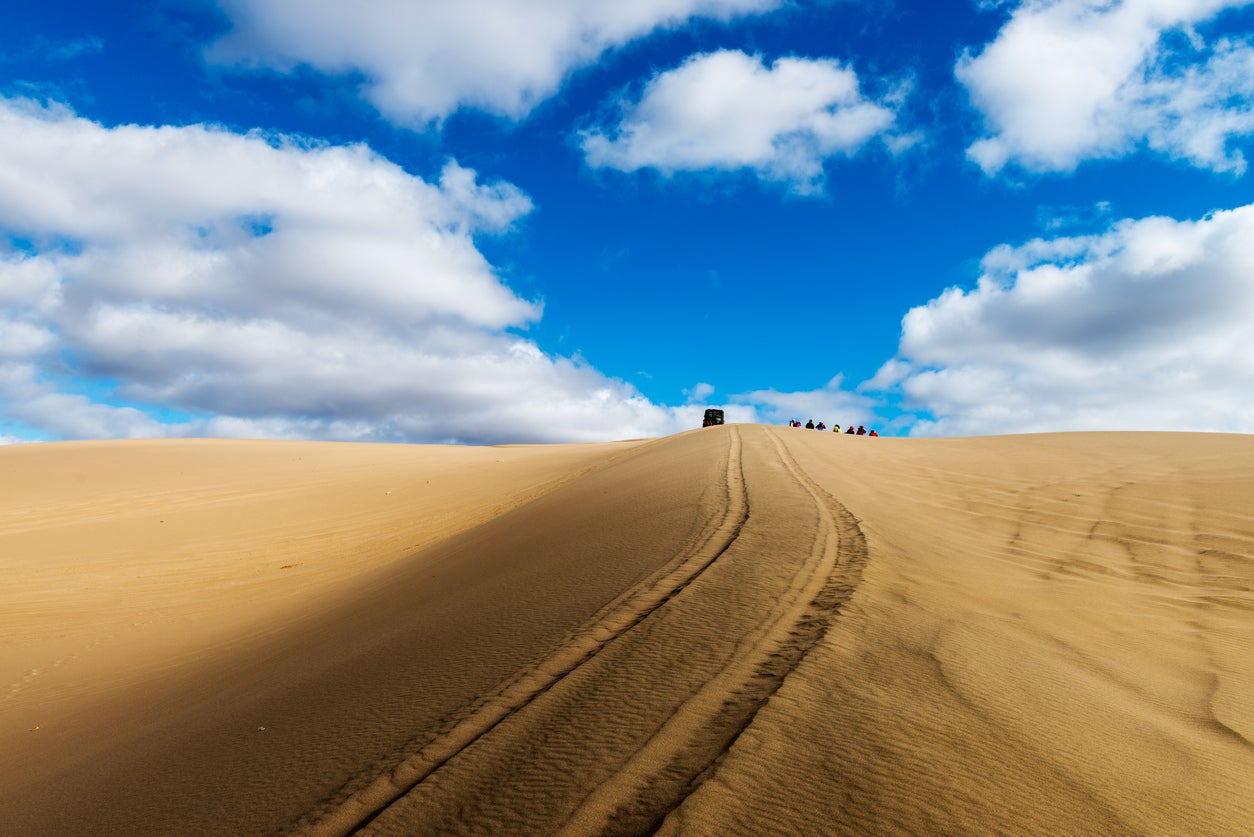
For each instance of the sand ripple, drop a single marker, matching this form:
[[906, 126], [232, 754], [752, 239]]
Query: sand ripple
[[738, 630], [620, 725]]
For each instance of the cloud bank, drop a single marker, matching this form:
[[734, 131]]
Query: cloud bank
[[1146, 326], [423, 61], [1069, 80], [193, 281], [730, 111]]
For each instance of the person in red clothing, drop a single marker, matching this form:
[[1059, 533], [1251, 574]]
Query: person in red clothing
[[872, 433], [861, 430], [850, 430]]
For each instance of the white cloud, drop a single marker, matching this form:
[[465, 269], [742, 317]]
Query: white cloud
[[1070, 80], [728, 110], [890, 374], [424, 60], [1147, 326], [699, 393], [193, 281], [831, 404], [69, 416]]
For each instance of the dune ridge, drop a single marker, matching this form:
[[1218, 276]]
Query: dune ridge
[[742, 629]]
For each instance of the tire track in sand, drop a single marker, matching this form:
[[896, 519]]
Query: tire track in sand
[[348, 814], [693, 740], [638, 712]]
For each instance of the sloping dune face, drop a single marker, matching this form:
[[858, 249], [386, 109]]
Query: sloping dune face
[[1053, 635], [739, 630]]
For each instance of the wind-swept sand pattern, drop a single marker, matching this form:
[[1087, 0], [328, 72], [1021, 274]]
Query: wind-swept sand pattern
[[379, 647], [739, 630], [1053, 635], [615, 743]]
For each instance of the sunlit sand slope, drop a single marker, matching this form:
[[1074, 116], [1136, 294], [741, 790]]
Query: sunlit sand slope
[[740, 630], [1053, 635]]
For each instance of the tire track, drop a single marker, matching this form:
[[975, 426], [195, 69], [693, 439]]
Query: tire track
[[623, 722], [361, 806], [696, 737], [809, 630]]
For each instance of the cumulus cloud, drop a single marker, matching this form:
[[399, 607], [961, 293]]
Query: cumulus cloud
[[1070, 80], [830, 404], [194, 281], [730, 111], [423, 61], [699, 393], [1143, 327]]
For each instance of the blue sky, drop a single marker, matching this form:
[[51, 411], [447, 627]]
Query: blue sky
[[497, 221]]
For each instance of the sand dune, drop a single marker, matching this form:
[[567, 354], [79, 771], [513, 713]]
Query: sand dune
[[739, 630]]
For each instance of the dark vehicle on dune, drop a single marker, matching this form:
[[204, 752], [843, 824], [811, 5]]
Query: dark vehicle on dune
[[712, 417]]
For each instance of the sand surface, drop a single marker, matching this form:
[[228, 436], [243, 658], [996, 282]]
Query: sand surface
[[738, 630]]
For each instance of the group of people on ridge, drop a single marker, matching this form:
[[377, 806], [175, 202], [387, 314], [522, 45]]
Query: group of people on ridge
[[810, 425]]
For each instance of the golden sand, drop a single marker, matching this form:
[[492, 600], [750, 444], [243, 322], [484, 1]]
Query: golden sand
[[738, 630]]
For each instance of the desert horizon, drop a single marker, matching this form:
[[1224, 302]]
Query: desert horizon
[[743, 629]]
